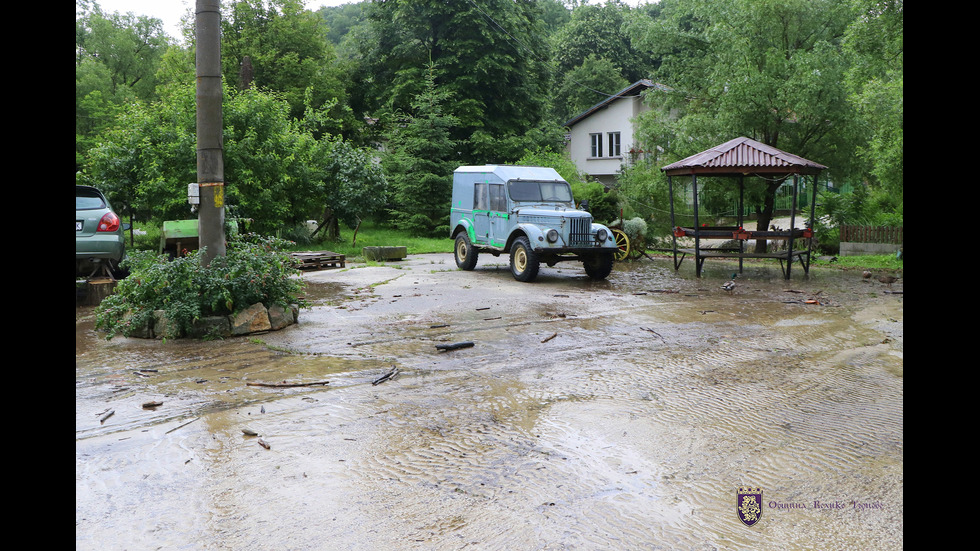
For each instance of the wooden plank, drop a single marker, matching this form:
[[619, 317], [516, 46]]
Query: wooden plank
[[319, 260], [710, 253]]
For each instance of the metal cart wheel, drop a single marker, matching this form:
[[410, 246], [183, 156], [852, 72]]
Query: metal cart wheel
[[623, 244]]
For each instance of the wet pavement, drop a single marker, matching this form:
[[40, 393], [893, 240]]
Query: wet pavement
[[621, 414]]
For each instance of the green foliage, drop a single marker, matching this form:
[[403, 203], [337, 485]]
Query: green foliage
[[486, 55], [818, 78], [635, 229], [255, 269], [287, 51], [116, 59], [875, 43], [420, 163], [586, 85], [373, 233], [278, 173]]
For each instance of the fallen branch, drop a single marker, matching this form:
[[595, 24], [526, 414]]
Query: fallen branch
[[655, 333], [386, 377], [107, 415], [284, 384], [456, 346], [181, 426], [549, 338]]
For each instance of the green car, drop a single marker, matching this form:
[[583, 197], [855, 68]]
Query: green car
[[99, 242]]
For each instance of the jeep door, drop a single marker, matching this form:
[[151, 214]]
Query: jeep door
[[499, 217], [481, 214]]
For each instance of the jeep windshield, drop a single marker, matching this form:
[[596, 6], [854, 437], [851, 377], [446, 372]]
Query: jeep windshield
[[540, 192]]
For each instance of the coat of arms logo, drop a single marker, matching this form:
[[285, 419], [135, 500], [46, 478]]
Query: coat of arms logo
[[748, 504]]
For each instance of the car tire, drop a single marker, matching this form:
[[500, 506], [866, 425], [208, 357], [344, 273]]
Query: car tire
[[598, 265], [524, 262], [465, 253]]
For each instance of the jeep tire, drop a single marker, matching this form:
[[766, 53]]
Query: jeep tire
[[524, 262], [465, 253], [598, 265]]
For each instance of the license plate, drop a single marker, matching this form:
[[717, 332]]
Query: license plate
[[79, 224]]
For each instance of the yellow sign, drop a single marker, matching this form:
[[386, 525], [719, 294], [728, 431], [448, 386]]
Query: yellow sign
[[218, 194]]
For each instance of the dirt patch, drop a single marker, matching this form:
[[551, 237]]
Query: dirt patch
[[622, 413]]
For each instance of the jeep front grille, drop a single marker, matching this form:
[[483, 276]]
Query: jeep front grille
[[581, 234]]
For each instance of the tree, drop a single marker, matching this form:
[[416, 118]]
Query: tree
[[488, 55], [116, 59], [875, 39], [420, 162], [770, 70], [600, 31], [285, 48], [354, 186], [587, 85], [278, 173]]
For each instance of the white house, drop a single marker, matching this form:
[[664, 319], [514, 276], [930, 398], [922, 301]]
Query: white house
[[600, 139]]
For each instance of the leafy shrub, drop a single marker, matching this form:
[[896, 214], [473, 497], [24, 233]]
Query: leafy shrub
[[254, 269], [635, 229]]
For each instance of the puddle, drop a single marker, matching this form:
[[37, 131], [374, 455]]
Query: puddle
[[586, 415]]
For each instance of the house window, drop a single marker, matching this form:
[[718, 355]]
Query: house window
[[596, 144], [614, 143]]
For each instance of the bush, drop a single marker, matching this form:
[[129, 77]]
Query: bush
[[254, 269]]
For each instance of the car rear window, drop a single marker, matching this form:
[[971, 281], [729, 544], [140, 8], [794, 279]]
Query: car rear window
[[86, 199]]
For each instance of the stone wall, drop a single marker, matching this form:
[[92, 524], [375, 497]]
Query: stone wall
[[254, 319]]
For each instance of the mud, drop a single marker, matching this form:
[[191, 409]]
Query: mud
[[621, 414]]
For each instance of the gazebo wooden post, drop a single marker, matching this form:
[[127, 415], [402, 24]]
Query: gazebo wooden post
[[697, 229], [812, 223], [741, 212], [670, 192], [792, 224]]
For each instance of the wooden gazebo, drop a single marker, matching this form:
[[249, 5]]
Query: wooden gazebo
[[737, 159]]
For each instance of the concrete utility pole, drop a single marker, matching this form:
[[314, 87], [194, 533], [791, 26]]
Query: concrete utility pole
[[210, 152]]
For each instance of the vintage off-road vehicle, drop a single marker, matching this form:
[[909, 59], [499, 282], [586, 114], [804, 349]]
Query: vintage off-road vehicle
[[529, 213]]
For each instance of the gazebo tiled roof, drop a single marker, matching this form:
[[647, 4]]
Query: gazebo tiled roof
[[742, 156]]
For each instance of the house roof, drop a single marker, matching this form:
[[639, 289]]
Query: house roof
[[743, 156], [632, 90]]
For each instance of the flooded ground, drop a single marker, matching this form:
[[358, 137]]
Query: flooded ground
[[621, 414]]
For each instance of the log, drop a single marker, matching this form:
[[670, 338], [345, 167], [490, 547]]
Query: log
[[455, 346], [386, 377], [284, 384]]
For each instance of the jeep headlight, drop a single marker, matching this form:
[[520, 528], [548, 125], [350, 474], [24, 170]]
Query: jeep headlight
[[552, 235], [601, 235]]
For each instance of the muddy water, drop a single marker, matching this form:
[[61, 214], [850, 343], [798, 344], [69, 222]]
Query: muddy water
[[588, 415]]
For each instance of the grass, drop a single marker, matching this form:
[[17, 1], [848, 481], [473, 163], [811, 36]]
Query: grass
[[370, 234], [885, 262]]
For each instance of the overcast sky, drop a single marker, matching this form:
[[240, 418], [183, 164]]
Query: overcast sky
[[170, 11]]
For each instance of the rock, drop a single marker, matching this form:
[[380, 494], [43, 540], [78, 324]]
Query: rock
[[384, 253], [250, 320], [254, 319], [211, 326], [161, 324], [280, 316]]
